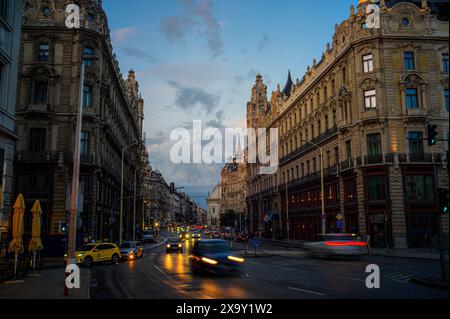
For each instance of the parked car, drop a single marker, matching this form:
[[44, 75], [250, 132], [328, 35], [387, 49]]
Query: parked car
[[335, 245], [242, 238], [214, 256], [130, 250], [174, 244], [94, 253], [148, 236]]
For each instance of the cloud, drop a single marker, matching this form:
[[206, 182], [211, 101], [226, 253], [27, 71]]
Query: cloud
[[264, 42], [138, 53], [187, 98], [196, 14], [217, 122], [120, 35]]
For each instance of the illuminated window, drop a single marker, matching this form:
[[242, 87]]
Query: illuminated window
[[367, 63], [370, 99]]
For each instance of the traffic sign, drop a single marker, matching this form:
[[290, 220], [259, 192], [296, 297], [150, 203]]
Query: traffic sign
[[339, 217]]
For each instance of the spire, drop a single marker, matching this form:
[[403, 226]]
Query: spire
[[288, 86]]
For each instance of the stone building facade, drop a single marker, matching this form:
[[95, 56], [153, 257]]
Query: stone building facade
[[214, 202], [367, 103], [10, 25], [47, 99], [233, 189]]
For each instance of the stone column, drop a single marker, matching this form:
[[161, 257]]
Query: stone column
[[398, 220]]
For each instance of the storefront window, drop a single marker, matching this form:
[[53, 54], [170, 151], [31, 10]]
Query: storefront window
[[419, 187], [376, 187]]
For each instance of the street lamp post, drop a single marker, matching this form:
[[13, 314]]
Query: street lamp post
[[72, 238], [124, 149]]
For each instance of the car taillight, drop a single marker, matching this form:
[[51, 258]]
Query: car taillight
[[345, 243]]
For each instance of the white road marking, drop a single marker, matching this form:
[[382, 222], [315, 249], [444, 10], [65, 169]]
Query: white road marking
[[307, 291], [254, 263], [163, 272], [289, 269]]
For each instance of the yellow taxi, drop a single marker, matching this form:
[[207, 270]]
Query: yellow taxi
[[93, 253]]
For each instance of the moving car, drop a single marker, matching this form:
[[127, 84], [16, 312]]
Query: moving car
[[215, 256], [174, 244], [335, 245], [195, 234], [242, 238], [94, 253], [148, 236], [215, 235], [130, 250]]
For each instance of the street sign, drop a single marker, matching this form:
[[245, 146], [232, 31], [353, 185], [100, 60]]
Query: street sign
[[339, 217], [255, 243]]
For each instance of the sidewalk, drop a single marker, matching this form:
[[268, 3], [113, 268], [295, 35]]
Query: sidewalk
[[50, 285], [407, 253]]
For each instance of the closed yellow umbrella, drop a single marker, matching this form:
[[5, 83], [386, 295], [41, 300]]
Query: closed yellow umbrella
[[36, 242], [16, 245]]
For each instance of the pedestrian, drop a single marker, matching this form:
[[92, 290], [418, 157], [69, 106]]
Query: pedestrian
[[368, 243]]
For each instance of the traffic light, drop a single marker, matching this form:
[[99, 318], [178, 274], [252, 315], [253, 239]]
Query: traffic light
[[432, 134], [443, 201]]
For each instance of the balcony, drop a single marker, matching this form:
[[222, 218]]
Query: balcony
[[43, 108], [307, 147], [419, 158], [37, 157]]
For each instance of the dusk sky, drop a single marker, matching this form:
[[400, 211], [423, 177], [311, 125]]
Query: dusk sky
[[197, 60]]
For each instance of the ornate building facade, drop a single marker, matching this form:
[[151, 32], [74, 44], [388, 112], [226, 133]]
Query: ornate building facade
[[233, 189], [10, 24], [47, 99], [367, 104], [214, 202]]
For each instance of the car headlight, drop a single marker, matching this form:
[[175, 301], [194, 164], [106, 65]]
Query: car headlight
[[168, 246], [236, 259], [209, 261], [179, 245], [80, 255]]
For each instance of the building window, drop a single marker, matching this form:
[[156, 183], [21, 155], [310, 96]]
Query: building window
[[2, 163], [419, 187], [336, 155], [374, 144], [328, 158], [445, 62], [84, 189], [368, 63], [87, 96], [40, 92], [446, 100], [3, 9], [344, 75], [349, 190], [84, 146], [411, 99], [37, 140], [408, 58], [415, 142], [376, 187], [370, 99], [43, 51], [348, 147], [88, 52]]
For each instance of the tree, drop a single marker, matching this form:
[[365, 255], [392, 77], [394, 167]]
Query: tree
[[228, 218]]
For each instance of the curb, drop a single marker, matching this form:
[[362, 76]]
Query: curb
[[430, 283], [404, 257]]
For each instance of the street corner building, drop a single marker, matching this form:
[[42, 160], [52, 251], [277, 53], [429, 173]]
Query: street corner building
[[47, 101], [10, 23], [367, 102]]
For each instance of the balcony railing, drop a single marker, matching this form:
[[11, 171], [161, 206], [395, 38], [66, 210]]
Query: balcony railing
[[36, 157], [307, 146]]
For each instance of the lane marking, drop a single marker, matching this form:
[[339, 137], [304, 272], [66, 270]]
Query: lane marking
[[307, 291], [289, 269], [164, 273], [254, 263]]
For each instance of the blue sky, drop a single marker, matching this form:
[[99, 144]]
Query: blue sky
[[197, 60]]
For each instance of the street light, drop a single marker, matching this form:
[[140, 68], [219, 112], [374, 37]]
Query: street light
[[72, 240], [124, 149]]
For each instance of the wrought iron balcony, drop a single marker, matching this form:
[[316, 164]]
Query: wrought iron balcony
[[36, 157]]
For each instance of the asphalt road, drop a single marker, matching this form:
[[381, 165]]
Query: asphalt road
[[287, 273]]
